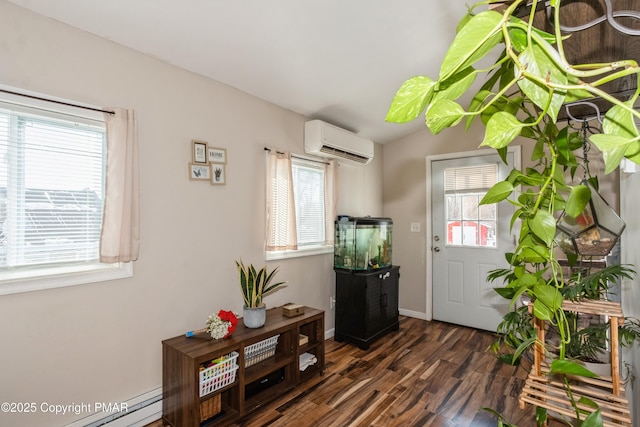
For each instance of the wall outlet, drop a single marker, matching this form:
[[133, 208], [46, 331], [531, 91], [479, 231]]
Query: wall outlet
[[332, 302], [415, 227]]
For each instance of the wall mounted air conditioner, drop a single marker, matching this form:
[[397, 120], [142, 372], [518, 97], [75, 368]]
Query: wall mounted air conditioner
[[326, 140]]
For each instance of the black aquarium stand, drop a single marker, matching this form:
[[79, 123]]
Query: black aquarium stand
[[366, 304]]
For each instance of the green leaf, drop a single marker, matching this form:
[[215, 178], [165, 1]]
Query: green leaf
[[633, 152], [562, 143], [443, 113], [541, 311], [502, 128], [593, 420], [457, 85], [475, 105], [538, 150], [541, 416], [543, 225], [497, 193], [411, 99], [588, 402], [548, 295], [567, 367], [613, 148], [475, 39], [536, 59], [619, 121], [506, 293], [577, 201]]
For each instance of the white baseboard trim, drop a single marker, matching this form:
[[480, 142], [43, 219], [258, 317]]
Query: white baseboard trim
[[416, 314], [330, 333], [136, 412]]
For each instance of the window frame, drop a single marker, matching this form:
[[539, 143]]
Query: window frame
[[13, 281]]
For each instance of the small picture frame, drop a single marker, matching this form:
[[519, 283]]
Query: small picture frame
[[199, 172], [217, 155], [199, 152], [218, 174]]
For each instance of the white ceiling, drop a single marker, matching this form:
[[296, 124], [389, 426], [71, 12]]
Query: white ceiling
[[336, 60]]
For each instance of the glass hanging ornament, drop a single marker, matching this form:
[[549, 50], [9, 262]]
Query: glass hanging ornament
[[596, 230]]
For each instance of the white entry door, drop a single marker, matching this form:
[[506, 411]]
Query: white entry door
[[468, 240]]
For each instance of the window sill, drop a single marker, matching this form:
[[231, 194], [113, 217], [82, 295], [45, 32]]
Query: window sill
[[316, 250], [14, 283]]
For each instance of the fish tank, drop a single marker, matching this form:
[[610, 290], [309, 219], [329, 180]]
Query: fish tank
[[362, 243]]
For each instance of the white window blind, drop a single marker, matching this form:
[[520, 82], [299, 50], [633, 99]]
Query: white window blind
[[470, 178], [51, 188], [308, 190]]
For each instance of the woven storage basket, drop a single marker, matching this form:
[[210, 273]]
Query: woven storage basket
[[210, 407]]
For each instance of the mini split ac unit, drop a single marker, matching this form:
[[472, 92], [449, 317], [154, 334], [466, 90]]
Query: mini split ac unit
[[326, 140]]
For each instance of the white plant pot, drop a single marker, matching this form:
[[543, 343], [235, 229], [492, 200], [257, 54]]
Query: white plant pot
[[254, 317]]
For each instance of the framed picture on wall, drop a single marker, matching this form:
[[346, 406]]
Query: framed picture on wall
[[218, 174], [217, 155], [199, 151], [198, 172]]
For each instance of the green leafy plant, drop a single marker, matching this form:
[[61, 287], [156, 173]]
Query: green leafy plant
[[255, 284], [523, 94]]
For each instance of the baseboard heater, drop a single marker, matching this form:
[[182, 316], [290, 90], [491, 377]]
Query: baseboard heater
[[140, 411]]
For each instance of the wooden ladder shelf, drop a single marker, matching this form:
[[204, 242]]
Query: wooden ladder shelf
[[547, 392]]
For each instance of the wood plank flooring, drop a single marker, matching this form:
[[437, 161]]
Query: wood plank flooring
[[426, 374]]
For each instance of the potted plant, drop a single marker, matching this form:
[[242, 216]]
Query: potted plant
[[525, 90], [254, 285]]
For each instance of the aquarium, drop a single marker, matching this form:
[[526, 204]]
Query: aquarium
[[362, 243]]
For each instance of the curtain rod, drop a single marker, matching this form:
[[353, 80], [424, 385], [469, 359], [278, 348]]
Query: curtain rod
[[299, 157], [56, 102]]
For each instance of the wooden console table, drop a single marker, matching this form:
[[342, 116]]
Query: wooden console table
[[259, 377]]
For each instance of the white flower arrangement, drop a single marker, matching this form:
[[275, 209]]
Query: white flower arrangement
[[222, 325]]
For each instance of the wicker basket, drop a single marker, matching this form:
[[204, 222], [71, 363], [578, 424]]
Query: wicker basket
[[260, 351], [210, 407], [221, 373]]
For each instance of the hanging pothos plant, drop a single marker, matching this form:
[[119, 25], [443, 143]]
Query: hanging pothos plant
[[524, 92]]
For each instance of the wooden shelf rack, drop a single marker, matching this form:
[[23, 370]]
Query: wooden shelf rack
[[544, 391]]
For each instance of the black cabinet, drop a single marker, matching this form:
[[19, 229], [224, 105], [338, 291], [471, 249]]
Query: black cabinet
[[366, 305]]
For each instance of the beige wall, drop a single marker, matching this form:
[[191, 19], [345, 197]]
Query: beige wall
[[405, 188], [102, 342]]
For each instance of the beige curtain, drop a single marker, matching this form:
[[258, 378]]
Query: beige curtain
[[120, 234], [331, 199], [281, 210]]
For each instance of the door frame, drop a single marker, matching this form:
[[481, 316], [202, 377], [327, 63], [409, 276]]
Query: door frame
[[517, 164]]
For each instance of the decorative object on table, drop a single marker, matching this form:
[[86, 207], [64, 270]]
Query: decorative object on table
[[222, 325], [199, 153], [302, 340], [218, 174], [198, 172], [291, 309], [217, 155], [255, 284]]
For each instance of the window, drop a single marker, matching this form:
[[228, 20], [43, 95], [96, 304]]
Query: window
[[308, 194], [51, 195], [468, 223], [299, 206]]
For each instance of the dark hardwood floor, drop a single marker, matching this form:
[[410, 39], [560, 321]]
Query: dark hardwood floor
[[426, 374]]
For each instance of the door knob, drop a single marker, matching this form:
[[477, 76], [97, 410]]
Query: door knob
[[436, 238], [436, 249]]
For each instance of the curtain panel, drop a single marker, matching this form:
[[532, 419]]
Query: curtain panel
[[331, 200], [281, 209], [120, 233]]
